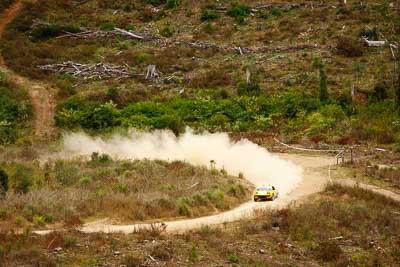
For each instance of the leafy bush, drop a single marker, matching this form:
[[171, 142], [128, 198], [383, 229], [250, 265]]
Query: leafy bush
[[45, 32], [239, 11], [184, 206], [209, 15], [248, 89], [3, 181], [325, 119], [167, 31], [233, 258], [276, 12], [22, 179], [142, 57], [155, 2], [15, 112], [172, 3], [237, 113], [108, 26]]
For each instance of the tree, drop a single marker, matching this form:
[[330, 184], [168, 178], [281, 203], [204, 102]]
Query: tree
[[323, 87], [3, 181]]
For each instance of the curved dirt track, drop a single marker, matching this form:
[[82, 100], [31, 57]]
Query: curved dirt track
[[40, 94], [315, 177]]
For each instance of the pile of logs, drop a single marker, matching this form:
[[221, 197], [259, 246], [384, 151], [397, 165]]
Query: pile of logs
[[89, 71]]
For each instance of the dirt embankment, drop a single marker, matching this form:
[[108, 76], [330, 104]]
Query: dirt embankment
[[40, 94]]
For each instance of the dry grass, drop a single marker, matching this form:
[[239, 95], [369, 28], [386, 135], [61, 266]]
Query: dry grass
[[121, 190], [354, 227]]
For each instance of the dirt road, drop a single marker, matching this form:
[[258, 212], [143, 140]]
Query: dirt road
[[40, 93], [315, 176]]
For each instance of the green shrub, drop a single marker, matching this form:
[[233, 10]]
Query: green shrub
[[70, 241], [3, 181], [323, 87], [193, 255], [142, 57], [123, 188], [22, 179], [233, 258], [239, 11], [107, 26], [248, 89], [209, 15], [172, 3], [184, 206], [167, 31], [38, 220], [44, 32], [325, 119], [48, 217], [276, 12], [86, 180], [155, 2]]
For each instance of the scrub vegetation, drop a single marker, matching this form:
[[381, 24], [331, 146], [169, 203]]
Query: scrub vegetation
[[72, 191], [355, 227]]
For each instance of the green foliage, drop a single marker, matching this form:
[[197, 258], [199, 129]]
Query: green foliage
[[3, 181], [48, 217], [325, 119], [86, 180], [233, 257], [155, 2], [172, 3], [70, 241], [248, 89], [323, 87], [183, 206], [22, 179], [100, 158], [194, 255], [237, 113], [276, 12], [142, 57], [107, 26], [38, 220], [15, 112], [239, 11], [167, 31], [209, 15], [51, 30], [45, 32]]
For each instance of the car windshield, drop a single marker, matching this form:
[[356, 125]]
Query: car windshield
[[264, 188]]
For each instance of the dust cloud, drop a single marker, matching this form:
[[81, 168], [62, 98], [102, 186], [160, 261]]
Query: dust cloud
[[256, 164]]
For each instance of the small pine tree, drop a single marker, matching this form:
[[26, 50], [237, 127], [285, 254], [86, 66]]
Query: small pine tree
[[397, 91], [3, 181], [323, 87]]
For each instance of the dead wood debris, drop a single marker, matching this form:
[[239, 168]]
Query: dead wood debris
[[89, 71], [166, 42]]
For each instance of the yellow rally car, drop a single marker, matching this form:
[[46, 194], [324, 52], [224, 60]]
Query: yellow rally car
[[265, 192]]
